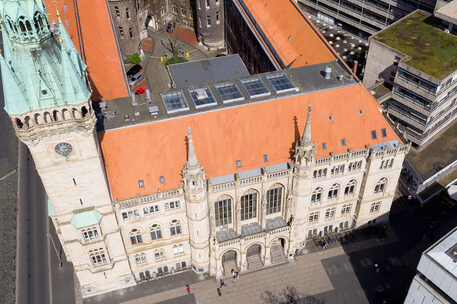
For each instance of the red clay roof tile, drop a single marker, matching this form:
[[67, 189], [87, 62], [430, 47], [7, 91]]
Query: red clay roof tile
[[243, 133]]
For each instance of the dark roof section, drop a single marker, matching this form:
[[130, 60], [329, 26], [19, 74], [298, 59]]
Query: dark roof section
[[207, 70]]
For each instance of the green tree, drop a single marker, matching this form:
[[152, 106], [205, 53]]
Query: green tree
[[134, 58], [289, 295]]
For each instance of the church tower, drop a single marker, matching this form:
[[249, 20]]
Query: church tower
[[197, 209], [48, 100], [303, 164]]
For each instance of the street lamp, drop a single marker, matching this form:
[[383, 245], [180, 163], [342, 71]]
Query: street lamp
[[55, 248]]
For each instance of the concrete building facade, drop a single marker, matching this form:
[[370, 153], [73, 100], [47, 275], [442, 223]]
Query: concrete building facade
[[364, 17], [423, 100], [436, 278], [235, 179]]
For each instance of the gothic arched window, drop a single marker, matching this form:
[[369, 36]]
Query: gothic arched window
[[333, 192], [274, 199], [249, 205], [317, 195], [135, 237], [381, 185], [350, 187], [156, 232], [223, 211], [175, 227]]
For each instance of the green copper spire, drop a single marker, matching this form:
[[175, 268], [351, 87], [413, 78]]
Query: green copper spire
[[15, 100], [47, 73]]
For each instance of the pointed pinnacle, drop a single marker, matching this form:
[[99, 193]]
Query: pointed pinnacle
[[306, 139], [191, 156]]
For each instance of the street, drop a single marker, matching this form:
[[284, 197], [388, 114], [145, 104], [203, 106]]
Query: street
[[33, 272]]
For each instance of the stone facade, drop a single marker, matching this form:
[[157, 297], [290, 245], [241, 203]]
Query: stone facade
[[210, 23], [262, 217], [129, 22]]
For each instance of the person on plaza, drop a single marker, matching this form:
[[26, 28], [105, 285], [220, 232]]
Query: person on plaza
[[222, 283], [237, 275], [233, 273], [188, 288], [219, 292]]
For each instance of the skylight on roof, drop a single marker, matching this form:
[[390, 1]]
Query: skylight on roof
[[265, 158], [343, 141], [174, 101], [162, 179], [384, 132], [141, 183], [280, 82], [202, 97], [255, 87], [238, 163], [229, 92], [324, 146]]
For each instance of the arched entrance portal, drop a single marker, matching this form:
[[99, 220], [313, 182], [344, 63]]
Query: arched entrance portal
[[253, 257], [229, 262], [277, 249]]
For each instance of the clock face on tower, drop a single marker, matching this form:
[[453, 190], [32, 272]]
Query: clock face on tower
[[63, 148]]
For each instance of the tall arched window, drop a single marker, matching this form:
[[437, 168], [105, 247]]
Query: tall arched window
[[350, 187], [135, 237], [131, 32], [274, 199], [249, 205], [118, 12], [156, 232], [175, 227], [127, 14], [333, 192], [317, 195], [121, 32], [381, 185], [223, 211]]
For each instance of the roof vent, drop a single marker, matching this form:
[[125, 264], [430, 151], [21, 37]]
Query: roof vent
[[266, 4], [133, 97], [340, 77], [289, 38], [330, 117], [327, 72]]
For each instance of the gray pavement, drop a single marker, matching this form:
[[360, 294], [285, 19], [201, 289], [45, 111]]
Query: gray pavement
[[33, 273]]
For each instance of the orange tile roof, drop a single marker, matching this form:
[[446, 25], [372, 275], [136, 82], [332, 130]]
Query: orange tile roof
[[243, 133], [96, 41], [279, 20]]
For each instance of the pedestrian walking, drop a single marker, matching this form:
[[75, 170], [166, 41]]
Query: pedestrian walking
[[188, 288], [233, 273], [237, 275], [222, 283], [219, 292]]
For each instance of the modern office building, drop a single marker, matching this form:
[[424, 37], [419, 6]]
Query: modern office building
[[416, 57], [436, 279], [364, 17], [237, 171]]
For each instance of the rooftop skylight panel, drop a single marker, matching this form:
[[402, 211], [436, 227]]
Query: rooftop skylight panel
[[229, 92], [280, 82], [174, 101], [255, 87], [202, 97]]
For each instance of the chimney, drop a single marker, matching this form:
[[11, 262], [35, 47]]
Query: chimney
[[327, 72], [354, 68]]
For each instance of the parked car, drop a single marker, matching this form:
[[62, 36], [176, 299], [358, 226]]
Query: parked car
[[134, 70], [135, 78]]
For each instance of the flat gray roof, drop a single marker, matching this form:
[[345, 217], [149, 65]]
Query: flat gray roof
[[120, 113], [207, 70]]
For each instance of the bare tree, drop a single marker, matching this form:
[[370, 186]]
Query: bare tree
[[289, 295]]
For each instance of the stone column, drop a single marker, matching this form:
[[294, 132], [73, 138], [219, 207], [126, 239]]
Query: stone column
[[267, 256], [237, 216], [244, 262], [219, 268], [263, 212]]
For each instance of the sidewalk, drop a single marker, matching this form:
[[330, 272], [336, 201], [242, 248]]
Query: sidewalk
[[307, 274]]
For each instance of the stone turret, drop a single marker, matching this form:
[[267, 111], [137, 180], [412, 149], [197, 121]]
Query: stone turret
[[197, 209], [48, 99], [210, 23], [304, 161]]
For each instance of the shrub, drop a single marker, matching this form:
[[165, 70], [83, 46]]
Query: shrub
[[134, 58]]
